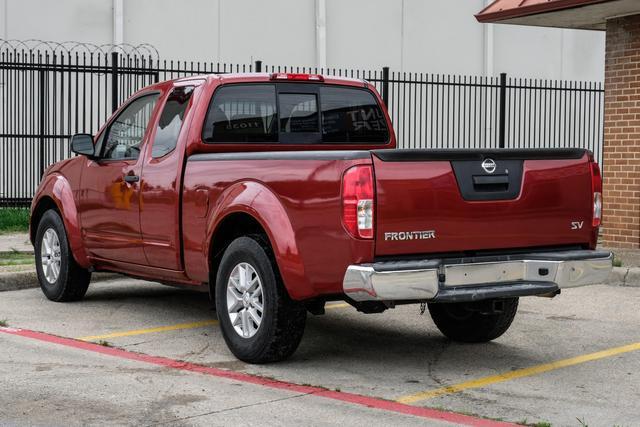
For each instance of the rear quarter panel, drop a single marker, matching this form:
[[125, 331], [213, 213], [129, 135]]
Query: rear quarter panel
[[297, 199]]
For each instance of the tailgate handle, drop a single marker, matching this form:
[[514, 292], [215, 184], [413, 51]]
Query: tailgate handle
[[491, 179], [491, 182]]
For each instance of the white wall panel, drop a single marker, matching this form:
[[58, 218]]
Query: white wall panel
[[60, 20], [186, 30], [274, 31], [434, 36], [450, 39], [364, 33]]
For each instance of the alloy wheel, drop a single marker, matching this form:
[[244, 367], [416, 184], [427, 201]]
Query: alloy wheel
[[245, 302]]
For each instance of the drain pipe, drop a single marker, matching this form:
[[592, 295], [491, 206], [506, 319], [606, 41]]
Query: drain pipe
[[4, 34], [118, 22], [488, 46], [321, 33], [488, 65]]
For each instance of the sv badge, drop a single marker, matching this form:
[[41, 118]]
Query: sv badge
[[577, 225]]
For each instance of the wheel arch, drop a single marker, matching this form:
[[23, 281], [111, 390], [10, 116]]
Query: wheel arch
[[252, 209], [55, 193], [232, 226]]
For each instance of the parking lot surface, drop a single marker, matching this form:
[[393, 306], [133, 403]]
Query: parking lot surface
[[161, 359]]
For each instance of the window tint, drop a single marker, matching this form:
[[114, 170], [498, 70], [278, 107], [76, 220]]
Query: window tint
[[126, 132], [315, 114], [242, 113], [170, 121], [298, 112], [351, 116]]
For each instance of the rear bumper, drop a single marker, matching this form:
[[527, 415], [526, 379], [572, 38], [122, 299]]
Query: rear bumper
[[470, 279]]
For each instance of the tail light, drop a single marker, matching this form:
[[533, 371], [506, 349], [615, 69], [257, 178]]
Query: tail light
[[357, 201], [297, 76], [596, 189]]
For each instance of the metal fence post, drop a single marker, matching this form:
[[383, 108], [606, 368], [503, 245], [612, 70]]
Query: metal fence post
[[503, 113], [114, 81], [41, 121], [155, 71], [385, 86], [258, 66]]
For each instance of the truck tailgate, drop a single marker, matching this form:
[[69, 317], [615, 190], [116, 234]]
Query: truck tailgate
[[443, 201]]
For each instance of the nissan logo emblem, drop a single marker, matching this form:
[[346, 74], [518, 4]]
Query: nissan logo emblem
[[489, 165]]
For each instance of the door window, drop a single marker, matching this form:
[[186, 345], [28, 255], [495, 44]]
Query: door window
[[170, 121], [124, 137]]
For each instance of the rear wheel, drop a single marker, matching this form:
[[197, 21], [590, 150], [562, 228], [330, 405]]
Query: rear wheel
[[61, 278], [474, 322], [259, 322]]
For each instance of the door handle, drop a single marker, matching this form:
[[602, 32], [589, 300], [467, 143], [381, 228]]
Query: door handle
[[131, 178]]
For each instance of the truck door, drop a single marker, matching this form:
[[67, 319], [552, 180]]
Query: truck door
[[109, 205], [161, 182]]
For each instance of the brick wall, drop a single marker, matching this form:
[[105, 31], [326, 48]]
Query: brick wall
[[621, 222]]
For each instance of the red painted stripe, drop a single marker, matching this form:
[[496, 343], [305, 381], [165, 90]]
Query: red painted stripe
[[353, 398]]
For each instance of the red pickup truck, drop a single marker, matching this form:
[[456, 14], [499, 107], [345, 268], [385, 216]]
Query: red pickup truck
[[276, 193]]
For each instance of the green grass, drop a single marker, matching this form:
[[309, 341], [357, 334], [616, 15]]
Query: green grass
[[14, 220], [3, 323], [538, 424], [617, 262], [582, 422], [104, 343], [15, 258]]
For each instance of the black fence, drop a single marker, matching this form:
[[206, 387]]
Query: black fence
[[49, 92]]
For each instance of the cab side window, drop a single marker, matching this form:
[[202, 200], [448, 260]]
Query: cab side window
[[124, 137], [170, 122]]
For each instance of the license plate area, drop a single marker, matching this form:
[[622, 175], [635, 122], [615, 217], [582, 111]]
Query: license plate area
[[489, 273]]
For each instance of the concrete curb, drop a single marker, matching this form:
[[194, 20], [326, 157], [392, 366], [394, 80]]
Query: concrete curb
[[624, 276], [14, 281]]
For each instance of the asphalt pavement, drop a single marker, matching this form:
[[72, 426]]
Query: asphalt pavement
[[140, 353]]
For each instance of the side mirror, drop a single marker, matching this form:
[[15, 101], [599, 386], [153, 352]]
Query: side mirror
[[82, 143]]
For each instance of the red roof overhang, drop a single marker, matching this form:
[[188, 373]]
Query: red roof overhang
[[584, 14]]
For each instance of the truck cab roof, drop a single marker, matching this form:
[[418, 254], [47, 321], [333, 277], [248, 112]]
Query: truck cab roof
[[266, 77]]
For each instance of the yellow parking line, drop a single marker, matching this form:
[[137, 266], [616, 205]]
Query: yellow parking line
[[338, 305], [173, 327], [176, 327], [519, 373]]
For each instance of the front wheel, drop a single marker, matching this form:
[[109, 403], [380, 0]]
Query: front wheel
[[60, 277], [259, 322], [474, 322]]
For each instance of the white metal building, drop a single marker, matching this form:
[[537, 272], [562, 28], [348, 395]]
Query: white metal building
[[434, 36]]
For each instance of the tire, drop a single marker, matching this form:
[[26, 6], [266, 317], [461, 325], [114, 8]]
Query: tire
[[469, 322], [61, 278], [282, 320]]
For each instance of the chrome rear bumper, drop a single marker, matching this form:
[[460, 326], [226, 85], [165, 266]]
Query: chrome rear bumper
[[467, 279]]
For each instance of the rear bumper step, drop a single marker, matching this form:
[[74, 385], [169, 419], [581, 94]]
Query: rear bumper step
[[470, 279]]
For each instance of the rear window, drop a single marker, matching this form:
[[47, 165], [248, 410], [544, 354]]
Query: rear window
[[258, 113], [242, 113], [298, 112], [351, 116]]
